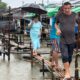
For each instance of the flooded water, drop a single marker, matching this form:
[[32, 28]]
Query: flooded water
[[20, 69], [16, 69]]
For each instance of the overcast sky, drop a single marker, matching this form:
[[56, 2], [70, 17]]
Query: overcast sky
[[18, 3]]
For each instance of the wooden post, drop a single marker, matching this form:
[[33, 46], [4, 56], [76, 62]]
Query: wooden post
[[43, 66], [9, 33], [76, 57], [31, 57]]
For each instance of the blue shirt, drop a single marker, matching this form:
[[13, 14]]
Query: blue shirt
[[36, 27], [76, 28], [53, 30]]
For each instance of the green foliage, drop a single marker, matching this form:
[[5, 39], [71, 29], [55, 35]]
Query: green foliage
[[3, 5]]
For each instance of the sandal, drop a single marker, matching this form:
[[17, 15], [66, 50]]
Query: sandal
[[34, 54], [38, 56], [59, 69], [67, 79]]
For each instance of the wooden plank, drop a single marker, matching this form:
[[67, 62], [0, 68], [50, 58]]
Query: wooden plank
[[47, 64]]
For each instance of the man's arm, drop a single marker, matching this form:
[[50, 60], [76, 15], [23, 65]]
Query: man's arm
[[30, 24], [58, 31]]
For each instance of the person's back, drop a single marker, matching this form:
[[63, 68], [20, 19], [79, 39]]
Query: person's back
[[53, 30], [55, 39]]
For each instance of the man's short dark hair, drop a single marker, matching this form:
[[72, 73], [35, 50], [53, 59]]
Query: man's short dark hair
[[67, 3]]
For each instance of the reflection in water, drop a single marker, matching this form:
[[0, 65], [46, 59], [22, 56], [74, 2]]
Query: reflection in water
[[15, 70], [18, 69]]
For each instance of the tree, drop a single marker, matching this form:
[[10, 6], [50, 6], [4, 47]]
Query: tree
[[3, 5]]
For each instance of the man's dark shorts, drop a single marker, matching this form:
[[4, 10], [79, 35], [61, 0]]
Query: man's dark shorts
[[67, 52]]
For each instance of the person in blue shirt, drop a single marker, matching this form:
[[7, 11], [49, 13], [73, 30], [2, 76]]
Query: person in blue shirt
[[55, 41], [35, 33], [76, 28]]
